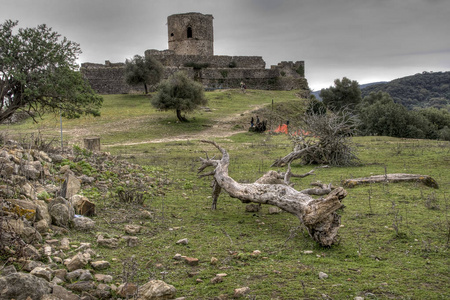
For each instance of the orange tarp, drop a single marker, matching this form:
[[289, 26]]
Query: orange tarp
[[284, 129]]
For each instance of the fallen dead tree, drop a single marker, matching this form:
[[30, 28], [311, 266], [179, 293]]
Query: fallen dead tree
[[398, 177], [317, 215]]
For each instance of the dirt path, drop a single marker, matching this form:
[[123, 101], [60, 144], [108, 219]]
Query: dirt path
[[223, 128]]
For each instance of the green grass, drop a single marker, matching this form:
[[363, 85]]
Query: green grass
[[131, 118], [394, 240], [372, 258]]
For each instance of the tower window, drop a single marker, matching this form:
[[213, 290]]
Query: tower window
[[189, 32], [171, 34]]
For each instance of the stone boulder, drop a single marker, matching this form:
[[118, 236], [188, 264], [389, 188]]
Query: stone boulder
[[108, 243], [22, 208], [71, 186], [42, 211], [42, 226], [61, 293], [132, 229], [77, 262], [241, 292], [6, 167], [32, 170], [156, 289], [8, 270], [29, 251], [22, 286], [100, 265], [44, 273], [83, 223], [23, 229], [28, 191], [61, 212], [81, 286]]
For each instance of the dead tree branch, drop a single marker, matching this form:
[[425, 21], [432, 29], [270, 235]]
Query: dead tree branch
[[397, 177], [318, 215]]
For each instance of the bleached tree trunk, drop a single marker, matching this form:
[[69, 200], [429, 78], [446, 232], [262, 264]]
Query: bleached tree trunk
[[396, 177], [318, 215]]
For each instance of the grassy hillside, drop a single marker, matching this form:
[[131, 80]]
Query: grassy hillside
[[394, 237], [131, 118]]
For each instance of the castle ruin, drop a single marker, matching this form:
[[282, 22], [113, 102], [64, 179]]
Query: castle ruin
[[191, 49]]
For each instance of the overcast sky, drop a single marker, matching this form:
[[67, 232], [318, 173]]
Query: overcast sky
[[364, 40]]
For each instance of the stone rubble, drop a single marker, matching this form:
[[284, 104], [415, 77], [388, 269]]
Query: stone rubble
[[33, 211]]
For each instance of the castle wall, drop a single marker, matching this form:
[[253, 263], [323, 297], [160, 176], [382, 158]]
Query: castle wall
[[263, 79], [169, 58], [110, 78]]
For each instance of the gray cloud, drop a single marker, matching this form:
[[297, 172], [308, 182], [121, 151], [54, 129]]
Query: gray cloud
[[366, 40]]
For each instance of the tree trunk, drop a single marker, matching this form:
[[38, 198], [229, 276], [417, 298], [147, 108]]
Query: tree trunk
[[318, 215], [92, 143], [180, 117], [398, 177], [145, 88]]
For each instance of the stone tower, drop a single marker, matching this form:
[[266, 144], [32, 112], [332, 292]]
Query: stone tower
[[191, 34]]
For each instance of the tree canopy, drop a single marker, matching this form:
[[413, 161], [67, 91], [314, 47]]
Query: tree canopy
[[380, 115], [344, 94], [423, 90], [38, 74], [143, 70], [179, 93]]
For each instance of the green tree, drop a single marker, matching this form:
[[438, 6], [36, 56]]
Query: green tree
[[38, 74], [344, 95], [379, 115], [143, 70], [179, 93]]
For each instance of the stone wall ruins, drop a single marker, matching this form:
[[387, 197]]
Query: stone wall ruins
[[213, 72]]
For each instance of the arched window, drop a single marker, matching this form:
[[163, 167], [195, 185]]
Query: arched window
[[189, 32]]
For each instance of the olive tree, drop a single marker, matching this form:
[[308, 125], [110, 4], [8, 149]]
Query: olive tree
[[179, 93], [39, 73], [143, 70]]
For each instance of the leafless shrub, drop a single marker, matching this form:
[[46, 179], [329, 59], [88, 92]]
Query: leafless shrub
[[135, 196], [325, 139], [39, 142], [129, 271], [431, 202]]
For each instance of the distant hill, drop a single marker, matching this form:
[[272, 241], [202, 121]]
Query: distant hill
[[427, 89], [361, 86]]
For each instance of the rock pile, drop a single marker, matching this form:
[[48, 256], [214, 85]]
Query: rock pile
[[40, 197]]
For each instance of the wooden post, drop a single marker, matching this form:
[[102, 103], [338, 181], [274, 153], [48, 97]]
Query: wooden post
[[92, 143]]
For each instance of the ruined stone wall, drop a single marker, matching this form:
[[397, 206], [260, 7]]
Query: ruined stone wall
[[263, 79], [169, 58], [108, 78], [191, 34]]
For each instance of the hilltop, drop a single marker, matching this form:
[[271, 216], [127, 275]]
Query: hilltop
[[422, 90]]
